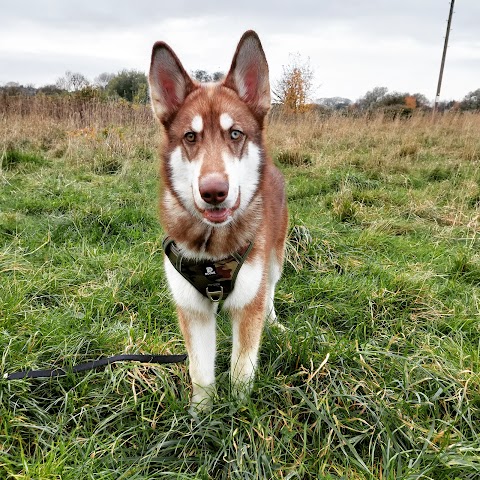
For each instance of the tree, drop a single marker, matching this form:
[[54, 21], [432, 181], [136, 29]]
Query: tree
[[72, 81], [14, 88], [422, 100], [203, 76], [11, 89], [102, 80], [380, 98], [471, 101], [216, 76], [448, 105], [372, 98], [131, 85], [50, 90], [295, 86], [334, 103]]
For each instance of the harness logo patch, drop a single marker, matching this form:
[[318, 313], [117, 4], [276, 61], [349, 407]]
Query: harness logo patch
[[209, 271]]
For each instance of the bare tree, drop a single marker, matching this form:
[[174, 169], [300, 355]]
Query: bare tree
[[72, 81], [103, 80]]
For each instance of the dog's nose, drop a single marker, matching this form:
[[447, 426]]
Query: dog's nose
[[213, 190]]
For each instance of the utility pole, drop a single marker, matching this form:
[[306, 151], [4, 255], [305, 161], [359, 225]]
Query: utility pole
[[445, 46]]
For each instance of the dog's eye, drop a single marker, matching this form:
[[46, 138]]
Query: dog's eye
[[236, 134], [190, 137]]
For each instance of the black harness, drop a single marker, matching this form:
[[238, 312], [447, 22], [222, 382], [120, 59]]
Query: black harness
[[213, 279]]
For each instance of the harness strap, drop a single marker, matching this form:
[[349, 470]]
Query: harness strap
[[213, 279]]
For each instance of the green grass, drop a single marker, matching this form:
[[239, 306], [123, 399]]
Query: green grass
[[376, 376]]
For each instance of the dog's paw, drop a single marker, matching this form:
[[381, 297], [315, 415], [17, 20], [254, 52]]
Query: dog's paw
[[202, 399], [198, 413], [276, 325], [241, 386]]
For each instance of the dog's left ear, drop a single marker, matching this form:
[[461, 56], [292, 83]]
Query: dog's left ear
[[248, 75]]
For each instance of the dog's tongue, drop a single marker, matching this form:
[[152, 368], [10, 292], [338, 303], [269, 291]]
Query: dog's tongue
[[217, 215]]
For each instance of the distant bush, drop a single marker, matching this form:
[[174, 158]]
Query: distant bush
[[397, 111], [393, 104]]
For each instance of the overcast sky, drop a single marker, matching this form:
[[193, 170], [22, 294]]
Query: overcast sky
[[353, 46]]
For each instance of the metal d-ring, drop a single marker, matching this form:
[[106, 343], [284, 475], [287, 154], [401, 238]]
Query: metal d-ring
[[216, 295]]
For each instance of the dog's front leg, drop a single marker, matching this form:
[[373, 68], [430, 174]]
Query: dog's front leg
[[247, 325], [198, 329], [196, 316]]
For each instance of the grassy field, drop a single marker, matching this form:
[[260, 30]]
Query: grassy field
[[377, 373]]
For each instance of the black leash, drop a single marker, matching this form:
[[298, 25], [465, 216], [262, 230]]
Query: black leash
[[101, 362]]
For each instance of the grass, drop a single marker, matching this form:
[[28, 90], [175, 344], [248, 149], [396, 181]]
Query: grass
[[377, 374]]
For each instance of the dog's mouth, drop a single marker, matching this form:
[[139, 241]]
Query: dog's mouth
[[217, 215]]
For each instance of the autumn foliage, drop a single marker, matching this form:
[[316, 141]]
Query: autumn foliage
[[295, 86]]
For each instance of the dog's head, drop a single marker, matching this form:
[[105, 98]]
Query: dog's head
[[214, 150]]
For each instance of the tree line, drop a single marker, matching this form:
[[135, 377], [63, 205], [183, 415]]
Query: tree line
[[381, 98], [295, 88], [292, 93], [129, 85]]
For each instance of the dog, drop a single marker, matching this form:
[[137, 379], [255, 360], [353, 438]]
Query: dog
[[222, 206]]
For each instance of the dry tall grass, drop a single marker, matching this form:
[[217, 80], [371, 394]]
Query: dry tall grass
[[60, 125], [74, 110], [335, 139], [105, 135], [110, 137]]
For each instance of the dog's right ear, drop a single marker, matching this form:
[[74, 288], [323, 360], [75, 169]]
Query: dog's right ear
[[169, 82]]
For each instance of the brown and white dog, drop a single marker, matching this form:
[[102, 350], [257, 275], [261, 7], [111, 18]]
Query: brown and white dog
[[220, 191]]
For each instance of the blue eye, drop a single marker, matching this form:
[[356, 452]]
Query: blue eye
[[236, 134]]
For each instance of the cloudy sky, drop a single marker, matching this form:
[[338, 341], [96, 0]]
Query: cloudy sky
[[353, 45]]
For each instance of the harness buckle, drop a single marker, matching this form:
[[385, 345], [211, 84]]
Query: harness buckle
[[214, 295]]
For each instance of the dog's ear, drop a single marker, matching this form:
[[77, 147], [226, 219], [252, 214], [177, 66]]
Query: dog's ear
[[169, 82], [248, 75]]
